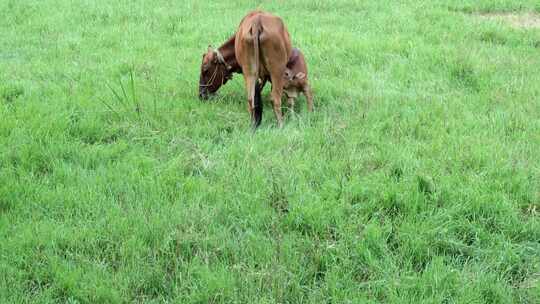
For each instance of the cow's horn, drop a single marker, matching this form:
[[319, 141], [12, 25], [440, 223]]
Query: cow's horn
[[220, 57]]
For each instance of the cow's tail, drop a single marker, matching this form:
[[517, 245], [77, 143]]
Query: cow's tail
[[256, 31]]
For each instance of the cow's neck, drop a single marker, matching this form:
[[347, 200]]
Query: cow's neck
[[227, 51]]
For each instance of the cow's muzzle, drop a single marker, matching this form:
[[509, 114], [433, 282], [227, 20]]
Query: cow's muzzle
[[203, 93]]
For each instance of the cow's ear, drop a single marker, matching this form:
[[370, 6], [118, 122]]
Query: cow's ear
[[300, 76], [210, 48]]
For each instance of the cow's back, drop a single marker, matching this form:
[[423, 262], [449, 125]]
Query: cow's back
[[274, 39]]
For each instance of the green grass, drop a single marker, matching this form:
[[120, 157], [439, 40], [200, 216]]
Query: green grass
[[416, 179]]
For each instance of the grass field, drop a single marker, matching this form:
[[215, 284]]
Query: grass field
[[416, 179]]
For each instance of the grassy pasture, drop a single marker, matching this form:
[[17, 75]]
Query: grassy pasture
[[416, 179]]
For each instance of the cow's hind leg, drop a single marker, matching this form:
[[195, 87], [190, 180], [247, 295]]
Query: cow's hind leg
[[251, 83], [277, 91], [275, 63]]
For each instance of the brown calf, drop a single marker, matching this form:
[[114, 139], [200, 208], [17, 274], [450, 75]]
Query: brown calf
[[296, 79]]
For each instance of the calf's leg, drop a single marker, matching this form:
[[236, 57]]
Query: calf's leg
[[309, 97], [290, 101]]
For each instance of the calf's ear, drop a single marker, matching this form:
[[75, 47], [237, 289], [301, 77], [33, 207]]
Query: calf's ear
[[300, 76]]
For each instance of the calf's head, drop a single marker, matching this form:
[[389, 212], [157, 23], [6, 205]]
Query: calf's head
[[293, 79], [214, 73]]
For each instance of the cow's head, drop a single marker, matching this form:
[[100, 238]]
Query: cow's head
[[215, 72]]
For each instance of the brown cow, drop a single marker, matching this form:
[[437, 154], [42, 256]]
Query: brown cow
[[261, 50], [296, 79]]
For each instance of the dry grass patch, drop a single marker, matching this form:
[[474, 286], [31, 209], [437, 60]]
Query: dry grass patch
[[527, 20]]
